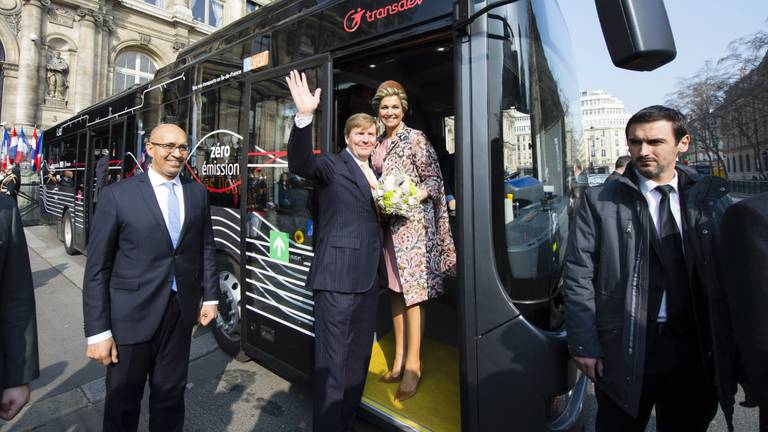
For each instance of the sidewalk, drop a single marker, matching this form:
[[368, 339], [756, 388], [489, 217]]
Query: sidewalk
[[222, 395], [70, 392]]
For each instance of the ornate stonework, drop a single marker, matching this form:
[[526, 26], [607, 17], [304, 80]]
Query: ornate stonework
[[8, 7], [56, 75], [53, 85], [61, 15], [14, 22]]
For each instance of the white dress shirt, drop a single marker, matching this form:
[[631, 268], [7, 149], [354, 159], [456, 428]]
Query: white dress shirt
[[161, 193], [653, 197]]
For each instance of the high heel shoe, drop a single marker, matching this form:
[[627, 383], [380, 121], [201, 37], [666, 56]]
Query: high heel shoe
[[405, 394], [390, 376]]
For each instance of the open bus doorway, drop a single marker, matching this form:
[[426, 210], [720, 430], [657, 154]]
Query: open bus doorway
[[425, 70]]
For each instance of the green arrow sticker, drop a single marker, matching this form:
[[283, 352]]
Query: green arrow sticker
[[278, 245]]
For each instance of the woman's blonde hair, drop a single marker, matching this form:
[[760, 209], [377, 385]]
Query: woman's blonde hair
[[386, 92], [359, 120]]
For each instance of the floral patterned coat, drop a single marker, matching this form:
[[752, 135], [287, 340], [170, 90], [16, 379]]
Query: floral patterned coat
[[423, 243]]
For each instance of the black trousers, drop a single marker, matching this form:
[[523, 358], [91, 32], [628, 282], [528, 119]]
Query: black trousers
[[165, 360], [674, 382], [344, 327]]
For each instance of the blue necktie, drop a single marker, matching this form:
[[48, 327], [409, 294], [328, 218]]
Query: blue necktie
[[174, 220]]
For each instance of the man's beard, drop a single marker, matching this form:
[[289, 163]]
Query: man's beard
[[649, 172]]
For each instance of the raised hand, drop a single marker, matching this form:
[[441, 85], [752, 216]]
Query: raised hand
[[306, 102]]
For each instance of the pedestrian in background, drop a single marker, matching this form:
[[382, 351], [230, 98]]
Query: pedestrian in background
[[744, 239], [621, 164], [640, 288], [18, 323], [151, 260]]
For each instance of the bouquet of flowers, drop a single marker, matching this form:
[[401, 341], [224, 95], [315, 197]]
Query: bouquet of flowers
[[396, 195]]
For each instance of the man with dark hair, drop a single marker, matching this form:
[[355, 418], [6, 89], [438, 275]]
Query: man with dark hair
[[344, 274], [643, 305], [621, 163]]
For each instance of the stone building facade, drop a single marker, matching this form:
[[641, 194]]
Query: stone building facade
[[743, 125], [60, 56], [603, 139]]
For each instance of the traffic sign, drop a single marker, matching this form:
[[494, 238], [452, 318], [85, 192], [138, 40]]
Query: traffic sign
[[278, 245]]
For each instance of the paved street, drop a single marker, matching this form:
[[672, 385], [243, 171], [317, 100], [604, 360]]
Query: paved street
[[223, 395]]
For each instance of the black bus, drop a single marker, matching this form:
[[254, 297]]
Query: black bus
[[491, 84]]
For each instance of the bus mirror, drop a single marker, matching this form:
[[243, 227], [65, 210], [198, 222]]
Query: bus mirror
[[637, 33]]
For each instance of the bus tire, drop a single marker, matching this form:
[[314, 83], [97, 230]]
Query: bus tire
[[226, 329], [68, 233]]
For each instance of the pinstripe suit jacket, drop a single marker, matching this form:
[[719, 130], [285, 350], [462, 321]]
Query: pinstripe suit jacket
[[348, 242]]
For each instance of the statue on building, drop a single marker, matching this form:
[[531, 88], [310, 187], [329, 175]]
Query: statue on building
[[57, 70]]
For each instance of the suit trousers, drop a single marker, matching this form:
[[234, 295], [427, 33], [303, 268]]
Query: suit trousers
[[165, 360], [344, 327], [674, 382]]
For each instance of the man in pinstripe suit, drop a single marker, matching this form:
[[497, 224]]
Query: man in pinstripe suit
[[344, 273]]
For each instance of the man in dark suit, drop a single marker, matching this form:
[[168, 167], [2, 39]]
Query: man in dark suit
[[151, 258], [102, 172], [621, 164], [642, 295], [744, 239], [18, 325], [344, 275]]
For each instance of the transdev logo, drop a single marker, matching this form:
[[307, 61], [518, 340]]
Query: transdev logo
[[355, 17]]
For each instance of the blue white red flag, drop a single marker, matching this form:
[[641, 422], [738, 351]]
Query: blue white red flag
[[37, 156], [5, 146], [21, 150], [13, 146]]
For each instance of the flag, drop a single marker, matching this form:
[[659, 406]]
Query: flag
[[13, 146], [5, 148], [21, 149], [37, 156]]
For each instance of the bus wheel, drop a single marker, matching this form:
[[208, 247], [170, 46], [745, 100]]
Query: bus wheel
[[227, 328], [68, 227]]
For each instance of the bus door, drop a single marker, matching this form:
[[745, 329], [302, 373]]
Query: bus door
[[117, 131], [80, 207], [277, 308], [425, 68]]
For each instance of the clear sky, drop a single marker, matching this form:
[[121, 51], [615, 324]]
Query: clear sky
[[702, 30]]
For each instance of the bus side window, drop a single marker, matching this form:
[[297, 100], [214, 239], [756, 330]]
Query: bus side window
[[215, 144]]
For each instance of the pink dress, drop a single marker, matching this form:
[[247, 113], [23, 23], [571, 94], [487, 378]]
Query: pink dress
[[393, 273]]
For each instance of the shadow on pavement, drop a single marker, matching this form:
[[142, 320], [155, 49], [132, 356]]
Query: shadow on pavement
[[41, 277]]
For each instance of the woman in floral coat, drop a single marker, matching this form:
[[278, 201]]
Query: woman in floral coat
[[418, 250]]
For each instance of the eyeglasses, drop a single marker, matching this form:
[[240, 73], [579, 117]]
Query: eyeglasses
[[170, 147]]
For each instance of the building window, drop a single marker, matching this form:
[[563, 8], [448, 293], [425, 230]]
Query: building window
[[158, 3], [208, 11], [132, 68], [741, 163], [749, 165], [250, 6]]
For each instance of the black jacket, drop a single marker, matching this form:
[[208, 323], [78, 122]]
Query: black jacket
[[18, 324], [349, 236], [131, 259], [744, 238], [606, 279]]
